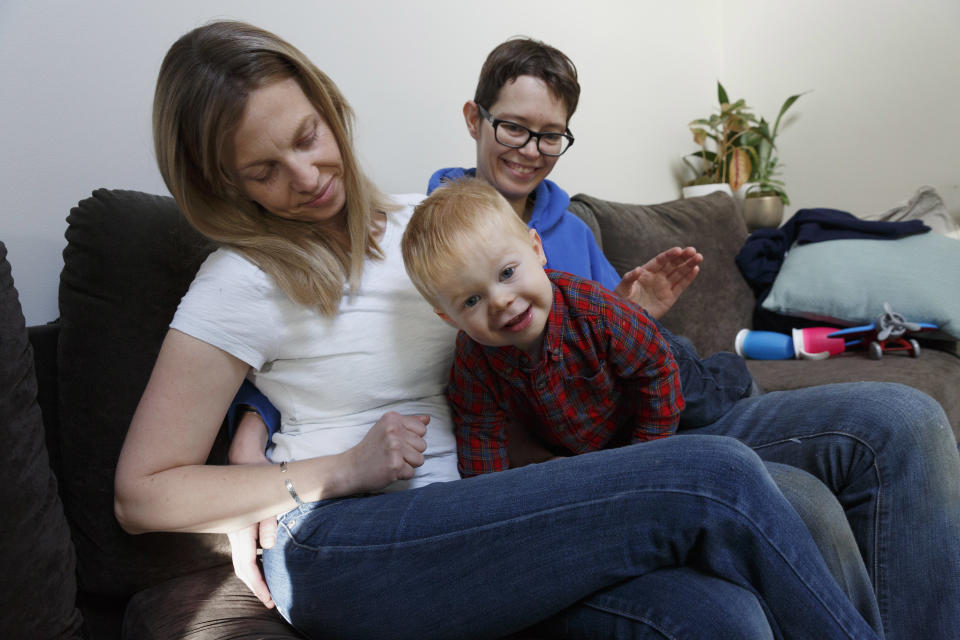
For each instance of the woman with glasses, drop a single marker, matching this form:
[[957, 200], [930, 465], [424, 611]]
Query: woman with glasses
[[378, 537], [870, 444]]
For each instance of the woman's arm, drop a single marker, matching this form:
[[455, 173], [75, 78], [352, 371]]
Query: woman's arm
[[162, 483]]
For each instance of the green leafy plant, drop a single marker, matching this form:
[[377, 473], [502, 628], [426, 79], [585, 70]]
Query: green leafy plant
[[736, 147], [766, 168], [730, 160]]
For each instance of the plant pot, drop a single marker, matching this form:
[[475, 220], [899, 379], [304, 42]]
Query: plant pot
[[762, 211], [697, 190], [741, 194]]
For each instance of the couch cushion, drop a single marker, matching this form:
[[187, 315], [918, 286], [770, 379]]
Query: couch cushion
[[129, 259], [206, 605], [848, 281], [934, 372], [212, 605], [38, 588], [719, 302]]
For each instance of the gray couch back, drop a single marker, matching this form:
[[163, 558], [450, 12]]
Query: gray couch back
[[719, 302]]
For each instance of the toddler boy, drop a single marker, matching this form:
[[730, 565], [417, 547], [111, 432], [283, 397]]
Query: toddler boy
[[578, 366]]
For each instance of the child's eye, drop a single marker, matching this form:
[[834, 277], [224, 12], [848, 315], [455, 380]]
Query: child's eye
[[507, 273], [471, 301]]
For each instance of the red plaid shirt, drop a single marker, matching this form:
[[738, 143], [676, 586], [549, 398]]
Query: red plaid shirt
[[606, 378]]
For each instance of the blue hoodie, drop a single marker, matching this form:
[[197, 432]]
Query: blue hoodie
[[711, 386], [567, 240]]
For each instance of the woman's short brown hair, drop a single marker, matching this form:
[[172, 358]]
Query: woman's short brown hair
[[523, 56]]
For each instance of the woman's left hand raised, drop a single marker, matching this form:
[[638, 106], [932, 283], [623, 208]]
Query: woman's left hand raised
[[656, 285]]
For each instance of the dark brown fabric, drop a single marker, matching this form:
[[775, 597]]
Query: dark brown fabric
[[37, 584], [936, 373], [718, 303], [129, 259], [43, 339], [207, 605]]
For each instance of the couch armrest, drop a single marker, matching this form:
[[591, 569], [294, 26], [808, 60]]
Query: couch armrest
[[43, 339]]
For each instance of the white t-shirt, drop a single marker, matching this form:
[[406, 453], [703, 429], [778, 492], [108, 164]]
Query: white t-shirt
[[333, 378]]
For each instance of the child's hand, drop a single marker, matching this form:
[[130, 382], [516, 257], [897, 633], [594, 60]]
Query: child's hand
[[249, 443], [392, 450], [656, 285]]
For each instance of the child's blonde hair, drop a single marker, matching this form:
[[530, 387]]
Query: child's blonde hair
[[458, 214]]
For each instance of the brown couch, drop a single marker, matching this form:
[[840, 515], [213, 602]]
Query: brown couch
[[70, 571]]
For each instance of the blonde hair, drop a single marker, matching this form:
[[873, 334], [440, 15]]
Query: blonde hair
[[202, 90], [457, 215]]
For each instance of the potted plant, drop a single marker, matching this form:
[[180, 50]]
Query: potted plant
[[765, 199], [738, 154], [726, 155]]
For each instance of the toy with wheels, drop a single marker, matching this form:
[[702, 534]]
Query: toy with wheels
[[888, 333]]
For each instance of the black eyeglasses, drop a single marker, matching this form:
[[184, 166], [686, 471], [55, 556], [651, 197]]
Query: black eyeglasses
[[513, 135]]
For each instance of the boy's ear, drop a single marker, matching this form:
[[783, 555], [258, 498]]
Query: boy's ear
[[538, 246], [445, 318], [472, 116]]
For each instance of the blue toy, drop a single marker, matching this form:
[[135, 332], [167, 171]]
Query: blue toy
[[889, 333]]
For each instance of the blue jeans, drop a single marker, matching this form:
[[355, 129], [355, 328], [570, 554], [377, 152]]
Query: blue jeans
[[637, 609], [494, 554], [887, 452]]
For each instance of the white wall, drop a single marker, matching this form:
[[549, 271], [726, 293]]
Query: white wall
[[883, 110], [78, 79]]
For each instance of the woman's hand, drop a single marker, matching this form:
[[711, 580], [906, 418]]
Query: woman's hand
[[656, 285], [247, 447], [391, 450], [243, 549]]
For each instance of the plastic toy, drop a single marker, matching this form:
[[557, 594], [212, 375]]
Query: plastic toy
[[888, 333], [812, 343]]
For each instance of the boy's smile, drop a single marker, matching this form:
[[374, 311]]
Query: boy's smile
[[499, 294]]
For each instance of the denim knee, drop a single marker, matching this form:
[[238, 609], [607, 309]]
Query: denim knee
[[736, 470], [824, 517], [904, 418]]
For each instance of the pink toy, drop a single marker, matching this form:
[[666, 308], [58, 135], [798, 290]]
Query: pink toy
[[816, 343]]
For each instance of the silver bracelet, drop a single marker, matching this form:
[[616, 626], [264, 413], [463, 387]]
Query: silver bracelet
[[289, 485]]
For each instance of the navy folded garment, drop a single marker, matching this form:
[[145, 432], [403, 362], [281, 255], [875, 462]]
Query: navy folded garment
[[762, 254]]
